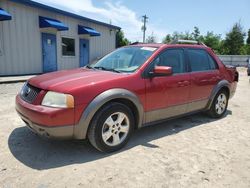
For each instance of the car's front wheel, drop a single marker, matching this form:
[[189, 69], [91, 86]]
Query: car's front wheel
[[219, 105], [111, 127]]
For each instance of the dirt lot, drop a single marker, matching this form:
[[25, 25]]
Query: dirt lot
[[194, 151]]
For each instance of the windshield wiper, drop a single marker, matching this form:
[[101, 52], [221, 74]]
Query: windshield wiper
[[107, 69], [89, 67]]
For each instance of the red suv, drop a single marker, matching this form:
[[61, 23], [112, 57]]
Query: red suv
[[132, 87]]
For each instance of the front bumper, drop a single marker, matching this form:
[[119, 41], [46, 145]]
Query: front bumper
[[64, 132], [45, 121]]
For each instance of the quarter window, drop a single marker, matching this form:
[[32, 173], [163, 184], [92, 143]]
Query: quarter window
[[172, 58], [68, 47], [212, 62], [200, 60]]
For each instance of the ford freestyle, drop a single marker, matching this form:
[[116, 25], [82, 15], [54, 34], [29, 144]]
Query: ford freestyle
[[132, 87]]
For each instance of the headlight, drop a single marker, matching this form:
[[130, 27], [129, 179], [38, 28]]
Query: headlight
[[60, 100], [23, 88]]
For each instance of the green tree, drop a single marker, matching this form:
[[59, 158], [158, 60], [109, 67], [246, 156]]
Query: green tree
[[223, 50], [120, 39], [185, 36], [175, 35], [234, 40], [248, 42], [167, 39], [244, 50], [151, 39], [248, 37], [196, 33], [213, 41], [248, 49]]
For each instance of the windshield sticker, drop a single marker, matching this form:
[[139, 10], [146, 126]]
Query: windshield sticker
[[148, 49]]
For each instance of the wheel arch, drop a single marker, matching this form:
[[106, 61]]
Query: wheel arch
[[113, 95], [131, 105], [222, 85]]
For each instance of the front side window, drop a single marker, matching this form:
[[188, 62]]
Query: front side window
[[68, 47], [172, 58], [200, 60], [127, 59]]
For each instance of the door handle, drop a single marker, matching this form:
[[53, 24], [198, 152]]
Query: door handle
[[180, 84], [183, 83], [186, 83], [213, 79]]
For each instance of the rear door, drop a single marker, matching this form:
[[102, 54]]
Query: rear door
[[204, 75], [167, 96]]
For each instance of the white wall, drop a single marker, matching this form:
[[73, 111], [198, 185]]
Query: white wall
[[20, 40], [235, 60]]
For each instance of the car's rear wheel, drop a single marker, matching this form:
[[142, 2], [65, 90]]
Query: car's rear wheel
[[111, 127], [219, 105]]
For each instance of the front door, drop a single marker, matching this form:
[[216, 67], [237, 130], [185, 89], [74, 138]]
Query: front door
[[167, 96], [84, 52], [49, 52]]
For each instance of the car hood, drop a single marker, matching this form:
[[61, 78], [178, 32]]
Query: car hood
[[67, 80]]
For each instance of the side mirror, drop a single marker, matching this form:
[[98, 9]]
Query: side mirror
[[161, 71]]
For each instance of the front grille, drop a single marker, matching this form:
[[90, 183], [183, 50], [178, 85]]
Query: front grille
[[29, 93]]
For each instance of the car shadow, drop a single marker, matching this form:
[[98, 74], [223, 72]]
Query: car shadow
[[38, 153]]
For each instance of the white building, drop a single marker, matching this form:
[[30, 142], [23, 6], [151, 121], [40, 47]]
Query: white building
[[36, 38]]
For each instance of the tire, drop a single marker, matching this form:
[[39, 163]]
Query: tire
[[111, 127], [219, 105]]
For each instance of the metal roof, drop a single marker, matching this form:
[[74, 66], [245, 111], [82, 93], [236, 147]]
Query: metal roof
[[52, 9]]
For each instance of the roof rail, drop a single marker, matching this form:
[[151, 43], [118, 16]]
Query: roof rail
[[181, 41], [134, 43]]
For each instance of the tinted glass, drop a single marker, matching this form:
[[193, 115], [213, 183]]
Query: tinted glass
[[172, 58], [198, 60], [213, 64], [68, 47]]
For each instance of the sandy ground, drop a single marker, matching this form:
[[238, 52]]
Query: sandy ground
[[194, 151]]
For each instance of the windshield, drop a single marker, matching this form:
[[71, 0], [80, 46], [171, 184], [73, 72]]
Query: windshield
[[127, 59]]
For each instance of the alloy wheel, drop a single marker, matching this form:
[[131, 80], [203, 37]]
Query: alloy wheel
[[221, 104], [115, 129]]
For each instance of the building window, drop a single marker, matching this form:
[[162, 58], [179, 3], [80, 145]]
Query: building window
[[68, 47]]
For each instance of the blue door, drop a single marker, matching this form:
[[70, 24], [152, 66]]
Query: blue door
[[84, 52], [49, 52]]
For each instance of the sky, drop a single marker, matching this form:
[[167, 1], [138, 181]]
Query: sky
[[165, 16]]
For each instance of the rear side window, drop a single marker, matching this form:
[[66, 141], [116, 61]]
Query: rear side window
[[200, 60], [212, 62], [172, 58]]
